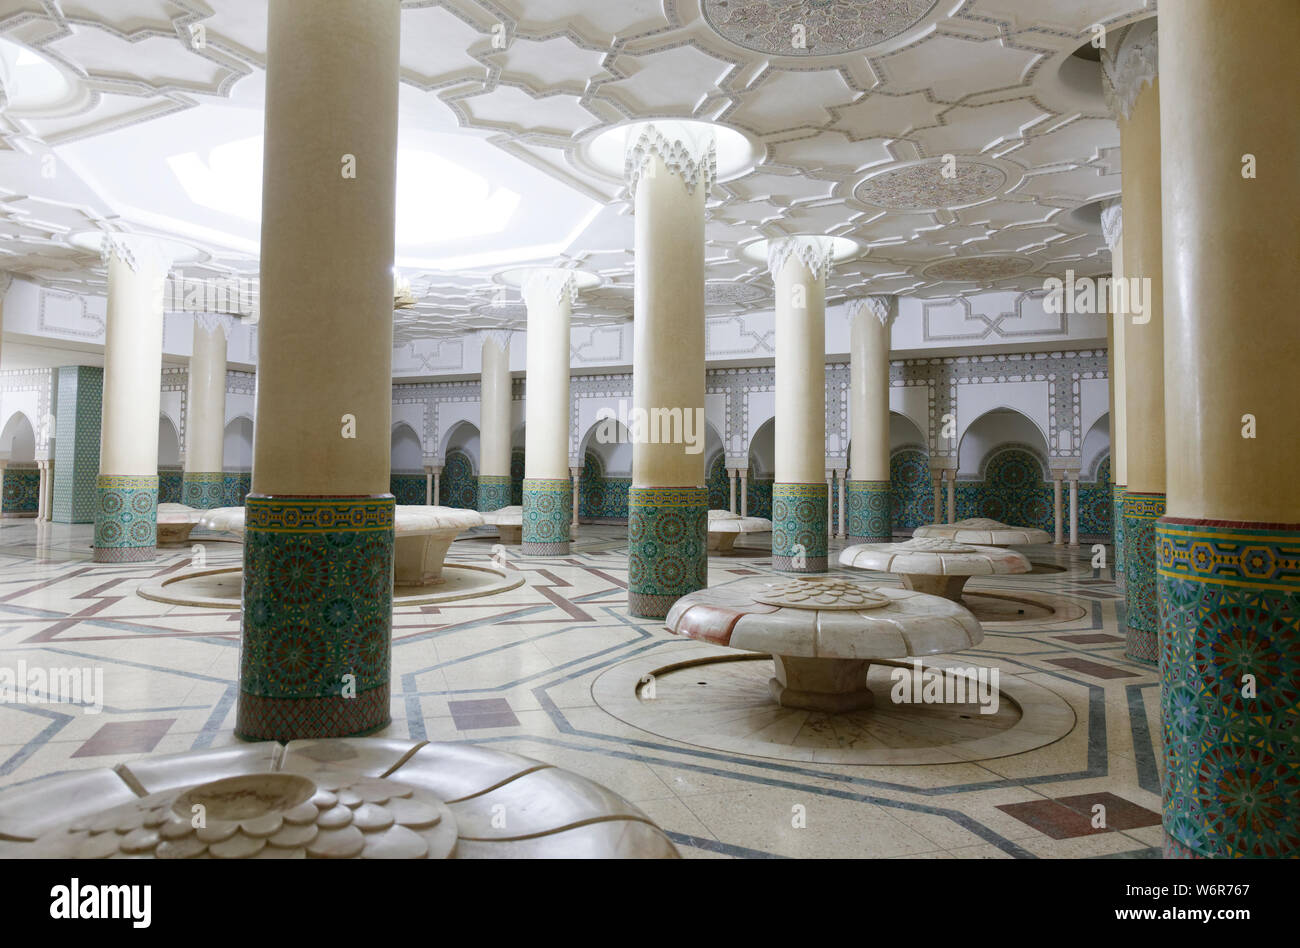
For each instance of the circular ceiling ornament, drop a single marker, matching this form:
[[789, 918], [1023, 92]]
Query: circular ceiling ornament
[[931, 185], [988, 269], [726, 293], [812, 27]]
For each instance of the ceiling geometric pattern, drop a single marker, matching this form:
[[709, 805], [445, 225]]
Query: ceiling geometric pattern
[[856, 117]]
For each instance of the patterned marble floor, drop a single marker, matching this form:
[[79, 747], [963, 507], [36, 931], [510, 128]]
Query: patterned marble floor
[[515, 671]]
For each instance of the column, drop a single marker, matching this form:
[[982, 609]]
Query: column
[[936, 479], [744, 492], [1074, 507], [428, 486], [731, 499], [126, 489], [318, 542], [1229, 545], [575, 474], [670, 170], [494, 417], [40, 491], [1112, 228], [799, 266], [205, 416], [952, 495], [1057, 517], [548, 294], [870, 319], [1133, 89], [437, 484], [842, 524], [78, 419]]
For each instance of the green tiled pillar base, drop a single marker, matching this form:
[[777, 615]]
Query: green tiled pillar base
[[548, 511], [1141, 511], [799, 527], [1117, 530], [667, 547], [318, 614], [126, 518], [1230, 608], [203, 490], [868, 512], [494, 491]]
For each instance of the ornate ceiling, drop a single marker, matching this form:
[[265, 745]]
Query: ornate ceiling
[[958, 141]]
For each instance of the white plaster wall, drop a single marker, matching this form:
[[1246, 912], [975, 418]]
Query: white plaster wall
[[991, 431]]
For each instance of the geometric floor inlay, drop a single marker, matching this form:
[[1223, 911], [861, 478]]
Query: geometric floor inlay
[[719, 698]]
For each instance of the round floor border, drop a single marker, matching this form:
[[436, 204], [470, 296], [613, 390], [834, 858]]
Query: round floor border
[[155, 590], [1046, 717]]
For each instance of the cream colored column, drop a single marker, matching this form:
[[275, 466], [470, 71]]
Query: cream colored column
[[936, 478], [952, 495], [494, 426], [731, 499], [205, 414], [1228, 587], [40, 491], [744, 492], [1112, 229], [871, 319], [670, 169], [1074, 507], [126, 503], [321, 445], [1058, 517], [1130, 71], [437, 483], [547, 529], [800, 499], [428, 486]]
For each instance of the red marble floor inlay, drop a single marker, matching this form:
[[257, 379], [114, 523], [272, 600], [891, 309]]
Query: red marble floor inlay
[[1095, 669], [125, 737], [482, 713], [1090, 638], [1071, 817]]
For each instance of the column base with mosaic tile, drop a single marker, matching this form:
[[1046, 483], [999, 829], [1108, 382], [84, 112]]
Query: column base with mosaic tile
[[493, 491], [317, 617], [1230, 687], [548, 511], [1141, 511], [868, 512], [799, 527], [1117, 533], [203, 490], [667, 547], [126, 518]]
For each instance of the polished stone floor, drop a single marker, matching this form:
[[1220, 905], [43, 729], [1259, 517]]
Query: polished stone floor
[[515, 671]]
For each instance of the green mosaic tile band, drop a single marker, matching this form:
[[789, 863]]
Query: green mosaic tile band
[[548, 511], [1141, 511], [22, 489], [867, 510], [667, 547], [1230, 687], [315, 658], [494, 491], [203, 490], [126, 518], [76, 448], [1117, 493], [799, 514]]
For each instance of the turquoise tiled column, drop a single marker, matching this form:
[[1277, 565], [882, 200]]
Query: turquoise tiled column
[[799, 527], [204, 490], [493, 491], [1141, 511], [548, 512], [667, 539], [868, 512], [79, 401]]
